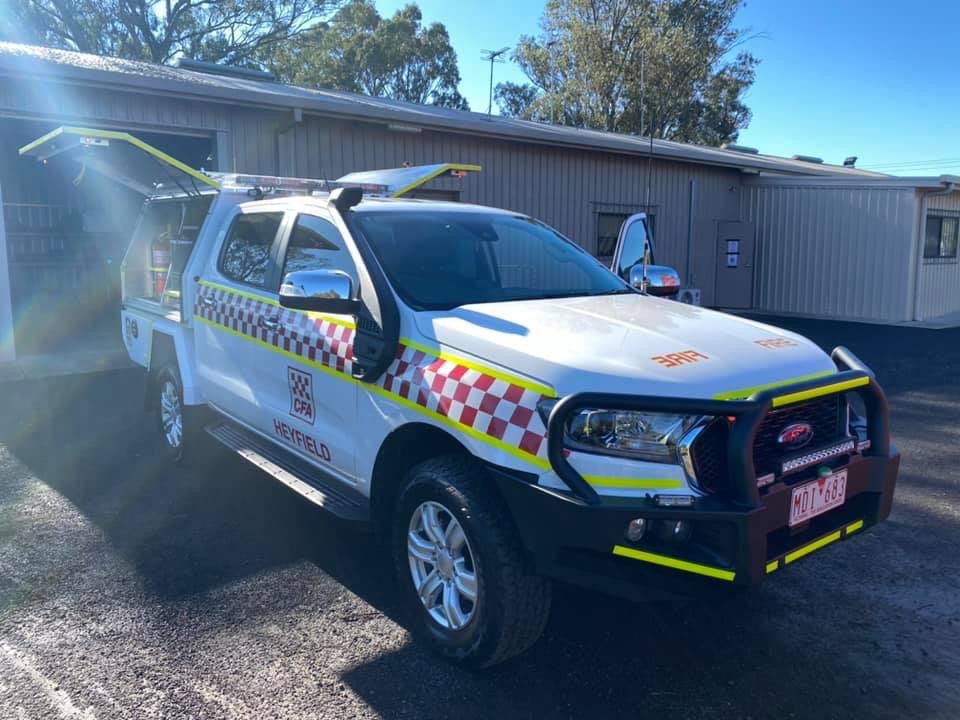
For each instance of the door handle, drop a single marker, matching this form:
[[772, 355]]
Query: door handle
[[271, 324], [207, 300]]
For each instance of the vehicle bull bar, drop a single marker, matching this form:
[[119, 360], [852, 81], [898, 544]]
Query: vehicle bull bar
[[852, 376]]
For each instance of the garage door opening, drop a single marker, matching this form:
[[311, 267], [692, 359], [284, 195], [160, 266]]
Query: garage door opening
[[66, 231]]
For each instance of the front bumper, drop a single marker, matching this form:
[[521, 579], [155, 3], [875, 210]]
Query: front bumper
[[737, 539]]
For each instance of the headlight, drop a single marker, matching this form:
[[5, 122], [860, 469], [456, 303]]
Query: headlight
[[646, 436]]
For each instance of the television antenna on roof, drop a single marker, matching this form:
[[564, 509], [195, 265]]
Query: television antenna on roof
[[494, 56]]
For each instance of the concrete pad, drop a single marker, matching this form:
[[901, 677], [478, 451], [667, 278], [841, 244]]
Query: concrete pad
[[74, 362]]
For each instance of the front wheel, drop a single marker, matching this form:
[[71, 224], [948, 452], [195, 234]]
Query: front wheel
[[460, 566]]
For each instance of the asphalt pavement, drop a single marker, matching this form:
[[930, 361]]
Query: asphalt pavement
[[131, 590]]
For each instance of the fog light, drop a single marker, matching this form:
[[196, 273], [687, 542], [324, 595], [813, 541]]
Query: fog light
[[673, 500], [673, 530], [635, 529]]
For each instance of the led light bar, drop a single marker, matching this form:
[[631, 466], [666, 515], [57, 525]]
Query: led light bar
[[817, 456], [673, 500]]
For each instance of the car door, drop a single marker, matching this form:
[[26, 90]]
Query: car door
[[631, 244], [313, 391], [236, 311]]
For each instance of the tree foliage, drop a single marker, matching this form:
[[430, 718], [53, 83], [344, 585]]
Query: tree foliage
[[238, 32], [585, 69], [360, 51]]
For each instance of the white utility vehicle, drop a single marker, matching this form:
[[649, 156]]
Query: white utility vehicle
[[502, 406]]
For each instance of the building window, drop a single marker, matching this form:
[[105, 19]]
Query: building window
[[608, 230], [941, 238]]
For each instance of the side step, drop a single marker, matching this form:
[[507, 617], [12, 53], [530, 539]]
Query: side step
[[298, 475]]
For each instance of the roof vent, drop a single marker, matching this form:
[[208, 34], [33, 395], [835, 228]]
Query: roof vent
[[227, 70], [809, 158], [850, 161], [740, 148]]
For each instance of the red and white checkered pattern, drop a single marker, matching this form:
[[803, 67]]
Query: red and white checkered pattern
[[321, 340], [501, 409]]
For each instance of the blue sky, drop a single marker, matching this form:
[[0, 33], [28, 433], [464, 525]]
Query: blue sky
[[872, 78]]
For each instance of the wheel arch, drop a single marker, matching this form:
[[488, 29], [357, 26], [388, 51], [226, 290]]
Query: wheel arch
[[163, 352], [403, 448]]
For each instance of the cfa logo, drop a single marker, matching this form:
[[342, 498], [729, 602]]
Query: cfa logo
[[301, 395]]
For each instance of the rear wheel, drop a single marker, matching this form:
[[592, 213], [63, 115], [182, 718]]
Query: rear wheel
[[177, 424], [460, 566]]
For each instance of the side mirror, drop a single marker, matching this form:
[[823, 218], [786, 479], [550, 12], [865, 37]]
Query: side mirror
[[662, 281], [326, 291]]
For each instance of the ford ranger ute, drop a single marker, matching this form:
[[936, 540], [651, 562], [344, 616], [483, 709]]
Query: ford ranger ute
[[501, 407]]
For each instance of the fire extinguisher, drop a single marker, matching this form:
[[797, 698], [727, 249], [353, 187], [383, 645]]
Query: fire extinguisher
[[160, 262]]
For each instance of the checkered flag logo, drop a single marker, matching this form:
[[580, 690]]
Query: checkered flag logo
[[301, 395]]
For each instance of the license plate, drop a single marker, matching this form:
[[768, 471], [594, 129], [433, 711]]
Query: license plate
[[817, 497]]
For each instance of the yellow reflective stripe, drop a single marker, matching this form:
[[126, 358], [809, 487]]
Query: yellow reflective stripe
[[773, 566], [159, 269], [270, 301], [269, 346], [242, 293], [124, 137], [820, 391], [635, 483], [854, 526], [41, 140], [472, 432], [674, 563], [747, 392], [421, 181], [812, 547], [507, 378]]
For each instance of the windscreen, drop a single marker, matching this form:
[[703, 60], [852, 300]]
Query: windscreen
[[440, 260]]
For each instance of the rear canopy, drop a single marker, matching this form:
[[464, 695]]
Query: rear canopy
[[121, 157], [149, 171]]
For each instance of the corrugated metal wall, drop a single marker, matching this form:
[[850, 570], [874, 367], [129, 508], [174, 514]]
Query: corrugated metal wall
[[939, 290], [835, 252], [564, 187]]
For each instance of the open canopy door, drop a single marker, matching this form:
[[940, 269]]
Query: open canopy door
[[399, 181], [123, 158]]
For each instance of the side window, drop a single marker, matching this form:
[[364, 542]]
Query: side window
[[632, 251], [246, 252], [941, 239], [316, 244]]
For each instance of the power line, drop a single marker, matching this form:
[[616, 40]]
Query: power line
[[916, 163]]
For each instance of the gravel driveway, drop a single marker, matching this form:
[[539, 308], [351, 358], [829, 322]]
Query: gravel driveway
[[132, 591]]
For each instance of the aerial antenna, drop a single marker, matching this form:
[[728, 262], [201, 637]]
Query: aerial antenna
[[494, 56], [646, 202]]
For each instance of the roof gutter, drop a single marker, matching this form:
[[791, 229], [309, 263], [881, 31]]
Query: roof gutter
[[916, 260], [253, 96]]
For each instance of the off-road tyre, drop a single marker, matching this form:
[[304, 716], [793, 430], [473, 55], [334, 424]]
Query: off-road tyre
[[512, 605]]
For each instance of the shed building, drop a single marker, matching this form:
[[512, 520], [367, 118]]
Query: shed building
[[62, 233], [869, 249]]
